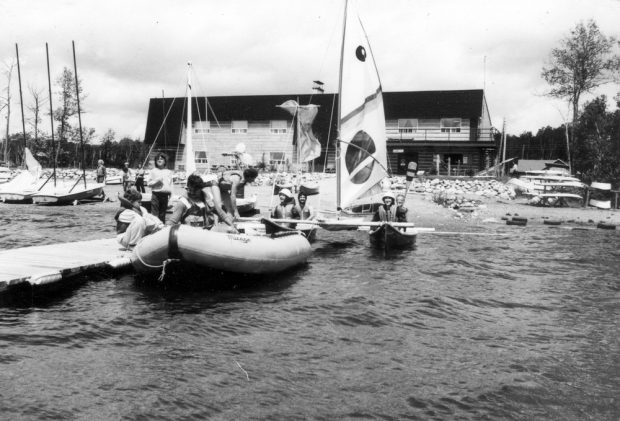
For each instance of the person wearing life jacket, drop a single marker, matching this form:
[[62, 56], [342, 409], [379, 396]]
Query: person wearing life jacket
[[285, 209], [133, 221], [401, 210], [302, 210], [213, 199], [191, 208], [232, 186], [387, 211]]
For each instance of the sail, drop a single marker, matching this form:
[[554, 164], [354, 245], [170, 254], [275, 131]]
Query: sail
[[308, 144], [363, 153], [190, 162], [32, 164]]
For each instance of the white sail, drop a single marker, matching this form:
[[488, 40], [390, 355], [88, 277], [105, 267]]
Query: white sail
[[190, 162], [363, 153]]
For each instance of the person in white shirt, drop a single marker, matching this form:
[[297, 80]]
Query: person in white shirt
[[160, 182]]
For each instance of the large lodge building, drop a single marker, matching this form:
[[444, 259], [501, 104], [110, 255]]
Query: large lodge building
[[454, 125]]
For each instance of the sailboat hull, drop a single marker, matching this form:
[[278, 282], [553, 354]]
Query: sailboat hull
[[64, 197], [387, 236]]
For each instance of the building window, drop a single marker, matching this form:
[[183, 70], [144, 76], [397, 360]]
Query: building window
[[200, 157], [450, 125], [407, 125], [202, 127], [278, 126], [239, 126], [276, 158]]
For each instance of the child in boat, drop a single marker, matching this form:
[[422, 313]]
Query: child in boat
[[232, 186], [387, 211], [302, 210], [160, 181], [192, 208], [401, 210], [285, 209], [133, 221]]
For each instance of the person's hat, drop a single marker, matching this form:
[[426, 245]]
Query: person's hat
[[286, 192], [390, 195], [132, 194]]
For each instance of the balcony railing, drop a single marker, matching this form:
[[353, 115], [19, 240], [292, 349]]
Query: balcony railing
[[441, 135]]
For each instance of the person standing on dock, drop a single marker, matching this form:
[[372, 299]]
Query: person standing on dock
[[160, 182], [140, 179], [101, 172], [126, 176]]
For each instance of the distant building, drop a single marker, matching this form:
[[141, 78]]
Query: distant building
[[454, 125]]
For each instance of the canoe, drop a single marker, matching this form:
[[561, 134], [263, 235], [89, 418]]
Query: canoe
[[233, 253], [114, 179], [605, 226], [308, 230], [309, 188], [517, 222], [389, 237]]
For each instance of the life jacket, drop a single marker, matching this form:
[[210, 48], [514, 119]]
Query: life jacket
[[303, 213], [401, 214], [387, 215], [195, 213], [283, 211]]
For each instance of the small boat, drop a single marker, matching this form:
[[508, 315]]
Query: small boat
[[233, 253], [309, 188], [114, 179], [279, 186], [5, 174], [65, 195], [387, 236], [308, 230]]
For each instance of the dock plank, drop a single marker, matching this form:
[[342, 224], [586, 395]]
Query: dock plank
[[54, 263]]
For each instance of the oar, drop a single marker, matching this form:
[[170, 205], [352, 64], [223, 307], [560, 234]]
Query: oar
[[339, 222]]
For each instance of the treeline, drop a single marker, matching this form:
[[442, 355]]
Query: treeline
[[69, 153], [594, 146]]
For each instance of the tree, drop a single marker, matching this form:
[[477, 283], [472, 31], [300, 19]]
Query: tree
[[584, 62], [35, 108]]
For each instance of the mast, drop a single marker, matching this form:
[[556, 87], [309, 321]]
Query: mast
[[49, 85], [21, 99], [190, 164], [338, 175], [77, 94]]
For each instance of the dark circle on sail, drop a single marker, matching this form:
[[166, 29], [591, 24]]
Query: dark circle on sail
[[360, 148], [360, 53]]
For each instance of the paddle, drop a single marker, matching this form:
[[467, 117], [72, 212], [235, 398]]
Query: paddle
[[343, 223]]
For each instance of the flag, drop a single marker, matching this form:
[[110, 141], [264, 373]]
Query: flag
[[363, 150], [308, 144]]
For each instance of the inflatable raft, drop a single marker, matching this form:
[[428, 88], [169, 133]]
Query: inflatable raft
[[236, 253]]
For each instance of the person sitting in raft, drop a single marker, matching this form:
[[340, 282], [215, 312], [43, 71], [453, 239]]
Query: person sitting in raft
[[133, 221], [160, 181], [191, 208], [302, 210], [387, 211], [213, 199], [285, 209], [232, 186]]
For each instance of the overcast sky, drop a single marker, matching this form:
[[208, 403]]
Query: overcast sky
[[129, 51]]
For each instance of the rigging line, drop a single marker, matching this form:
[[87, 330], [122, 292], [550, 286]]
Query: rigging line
[[146, 159], [329, 131], [208, 103], [388, 173]]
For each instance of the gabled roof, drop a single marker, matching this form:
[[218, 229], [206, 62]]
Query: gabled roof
[[420, 104]]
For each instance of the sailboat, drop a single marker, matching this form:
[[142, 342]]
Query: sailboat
[[67, 193], [361, 158]]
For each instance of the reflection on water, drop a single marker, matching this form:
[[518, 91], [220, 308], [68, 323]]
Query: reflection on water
[[522, 326]]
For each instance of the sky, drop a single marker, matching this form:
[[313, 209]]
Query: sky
[[132, 50]]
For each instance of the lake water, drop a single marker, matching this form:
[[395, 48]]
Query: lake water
[[519, 326]]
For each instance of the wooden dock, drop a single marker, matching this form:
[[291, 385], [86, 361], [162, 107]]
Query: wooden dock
[[55, 264]]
